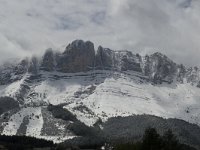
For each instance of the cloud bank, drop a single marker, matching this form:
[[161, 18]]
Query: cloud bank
[[168, 26]]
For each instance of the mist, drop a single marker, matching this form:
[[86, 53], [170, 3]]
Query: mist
[[168, 26]]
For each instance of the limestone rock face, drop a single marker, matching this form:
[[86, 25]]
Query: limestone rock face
[[48, 61], [131, 62], [193, 75], [79, 56], [22, 67], [159, 68], [11, 72], [181, 72], [33, 65], [117, 60], [104, 58]]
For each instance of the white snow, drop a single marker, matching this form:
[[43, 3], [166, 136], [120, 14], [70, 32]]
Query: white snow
[[57, 92], [115, 94], [35, 123], [121, 94], [123, 97], [12, 89], [57, 139], [14, 123], [84, 117], [33, 128]]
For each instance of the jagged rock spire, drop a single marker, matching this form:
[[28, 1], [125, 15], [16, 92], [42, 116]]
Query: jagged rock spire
[[79, 56]]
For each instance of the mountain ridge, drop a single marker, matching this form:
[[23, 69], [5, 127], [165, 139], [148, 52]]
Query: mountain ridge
[[80, 56], [93, 86]]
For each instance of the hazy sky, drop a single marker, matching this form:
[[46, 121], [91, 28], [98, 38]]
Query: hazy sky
[[145, 26]]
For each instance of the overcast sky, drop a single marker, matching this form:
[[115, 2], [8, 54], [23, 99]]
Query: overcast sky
[[143, 26]]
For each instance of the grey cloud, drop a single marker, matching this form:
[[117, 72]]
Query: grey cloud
[[168, 26], [98, 17], [184, 3], [65, 23]]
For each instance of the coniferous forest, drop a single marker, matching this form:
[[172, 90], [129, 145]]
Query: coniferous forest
[[151, 141]]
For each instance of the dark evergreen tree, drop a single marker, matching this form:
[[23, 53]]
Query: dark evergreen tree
[[170, 141], [151, 140]]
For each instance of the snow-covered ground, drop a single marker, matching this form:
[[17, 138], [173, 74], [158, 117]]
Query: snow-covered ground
[[120, 94], [56, 139], [123, 97], [12, 89], [34, 126], [102, 94]]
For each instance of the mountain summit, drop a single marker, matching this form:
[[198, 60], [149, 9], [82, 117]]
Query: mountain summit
[[80, 56], [55, 96]]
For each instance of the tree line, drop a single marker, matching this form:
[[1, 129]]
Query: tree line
[[153, 141]]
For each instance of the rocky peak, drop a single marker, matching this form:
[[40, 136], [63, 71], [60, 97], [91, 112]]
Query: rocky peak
[[78, 56], [104, 58], [159, 68], [193, 75], [181, 71], [129, 61], [33, 65], [117, 60], [22, 67], [48, 61], [79, 46], [10, 72]]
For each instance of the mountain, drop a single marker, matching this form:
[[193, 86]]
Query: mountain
[[44, 97]]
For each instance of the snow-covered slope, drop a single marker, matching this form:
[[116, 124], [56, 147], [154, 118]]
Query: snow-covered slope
[[103, 94], [108, 85]]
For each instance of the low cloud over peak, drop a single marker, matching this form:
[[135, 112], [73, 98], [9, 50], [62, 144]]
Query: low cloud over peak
[[169, 26]]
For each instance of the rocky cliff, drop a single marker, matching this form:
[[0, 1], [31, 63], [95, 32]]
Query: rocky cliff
[[80, 56]]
